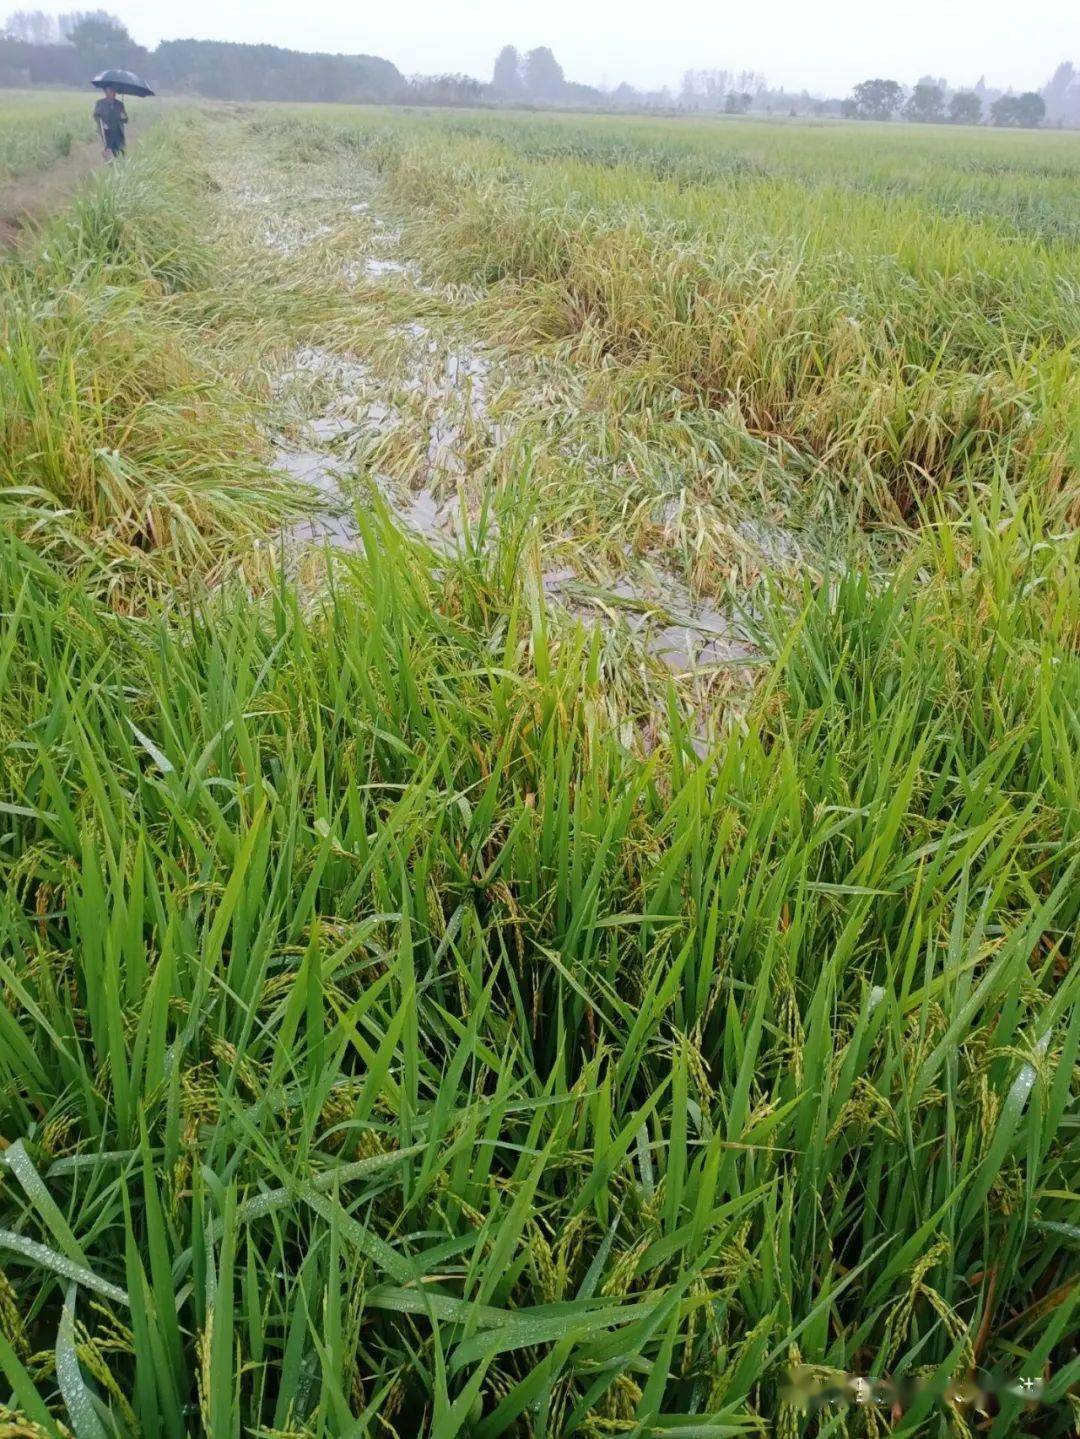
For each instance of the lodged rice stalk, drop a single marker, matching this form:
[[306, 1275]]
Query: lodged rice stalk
[[123, 438], [908, 341]]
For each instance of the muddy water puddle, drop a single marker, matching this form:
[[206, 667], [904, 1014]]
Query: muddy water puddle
[[452, 386], [334, 521], [312, 366], [334, 404], [673, 627], [372, 268], [668, 623]]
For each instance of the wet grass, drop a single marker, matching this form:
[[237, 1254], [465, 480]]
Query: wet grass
[[37, 129], [406, 1028]]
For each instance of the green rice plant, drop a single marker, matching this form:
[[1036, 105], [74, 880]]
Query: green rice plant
[[1017, 182], [410, 1023], [38, 129], [381, 1007]]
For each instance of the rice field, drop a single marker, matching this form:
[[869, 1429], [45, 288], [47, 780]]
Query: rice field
[[38, 128], [540, 783]]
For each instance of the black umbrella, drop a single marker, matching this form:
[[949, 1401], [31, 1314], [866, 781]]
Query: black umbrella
[[122, 81]]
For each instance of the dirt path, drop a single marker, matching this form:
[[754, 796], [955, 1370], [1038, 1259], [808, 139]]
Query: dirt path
[[28, 199]]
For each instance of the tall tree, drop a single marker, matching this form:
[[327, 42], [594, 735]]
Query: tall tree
[[965, 108], [625, 96], [506, 78], [877, 99], [32, 27], [926, 104], [1019, 111], [69, 20], [1062, 95], [102, 40], [544, 78], [1031, 110]]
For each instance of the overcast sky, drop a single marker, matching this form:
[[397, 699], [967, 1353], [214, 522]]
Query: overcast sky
[[826, 45]]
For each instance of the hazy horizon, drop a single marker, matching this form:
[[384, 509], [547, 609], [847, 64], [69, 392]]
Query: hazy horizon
[[826, 48]]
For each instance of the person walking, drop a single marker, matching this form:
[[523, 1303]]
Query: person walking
[[111, 118]]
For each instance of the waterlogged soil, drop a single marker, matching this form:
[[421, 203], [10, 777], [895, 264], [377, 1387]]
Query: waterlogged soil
[[432, 390]]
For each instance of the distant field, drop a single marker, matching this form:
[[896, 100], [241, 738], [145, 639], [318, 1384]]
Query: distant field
[[1025, 177], [589, 949], [38, 127]]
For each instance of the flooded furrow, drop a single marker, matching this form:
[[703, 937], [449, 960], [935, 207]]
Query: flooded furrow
[[444, 385]]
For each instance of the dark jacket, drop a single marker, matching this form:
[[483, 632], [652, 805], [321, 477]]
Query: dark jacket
[[111, 116]]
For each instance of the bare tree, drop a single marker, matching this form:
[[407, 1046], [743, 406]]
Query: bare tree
[[444, 89], [750, 82], [705, 89]]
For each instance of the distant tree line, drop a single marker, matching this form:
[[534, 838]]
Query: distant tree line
[[224, 71], [37, 48], [930, 103], [40, 49], [721, 90], [535, 77]]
